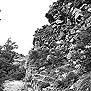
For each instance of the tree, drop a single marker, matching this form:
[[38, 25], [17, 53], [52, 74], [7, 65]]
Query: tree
[[7, 69]]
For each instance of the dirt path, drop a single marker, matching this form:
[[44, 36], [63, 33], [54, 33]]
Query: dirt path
[[14, 86]]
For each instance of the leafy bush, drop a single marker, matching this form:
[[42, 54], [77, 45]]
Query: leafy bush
[[7, 69]]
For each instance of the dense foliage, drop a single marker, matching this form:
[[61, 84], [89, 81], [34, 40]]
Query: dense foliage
[[61, 48], [8, 71], [60, 59]]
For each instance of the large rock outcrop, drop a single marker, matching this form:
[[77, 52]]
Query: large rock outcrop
[[60, 57]]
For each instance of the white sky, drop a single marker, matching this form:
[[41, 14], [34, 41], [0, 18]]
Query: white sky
[[20, 18]]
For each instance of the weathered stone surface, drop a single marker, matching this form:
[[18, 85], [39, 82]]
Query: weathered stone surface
[[61, 47], [48, 79]]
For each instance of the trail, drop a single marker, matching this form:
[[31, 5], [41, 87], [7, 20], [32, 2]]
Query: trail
[[14, 86]]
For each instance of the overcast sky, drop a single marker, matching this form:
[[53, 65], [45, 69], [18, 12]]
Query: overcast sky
[[20, 18]]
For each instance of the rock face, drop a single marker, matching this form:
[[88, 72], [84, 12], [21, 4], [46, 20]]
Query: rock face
[[60, 58]]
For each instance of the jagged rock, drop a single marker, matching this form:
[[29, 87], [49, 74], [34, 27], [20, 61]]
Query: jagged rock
[[60, 54]]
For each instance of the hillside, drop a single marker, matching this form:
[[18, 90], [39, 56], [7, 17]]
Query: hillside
[[60, 59]]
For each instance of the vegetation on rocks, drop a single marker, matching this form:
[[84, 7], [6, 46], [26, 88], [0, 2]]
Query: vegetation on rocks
[[61, 53]]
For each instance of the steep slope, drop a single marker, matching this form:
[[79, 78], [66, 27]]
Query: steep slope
[[61, 52]]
